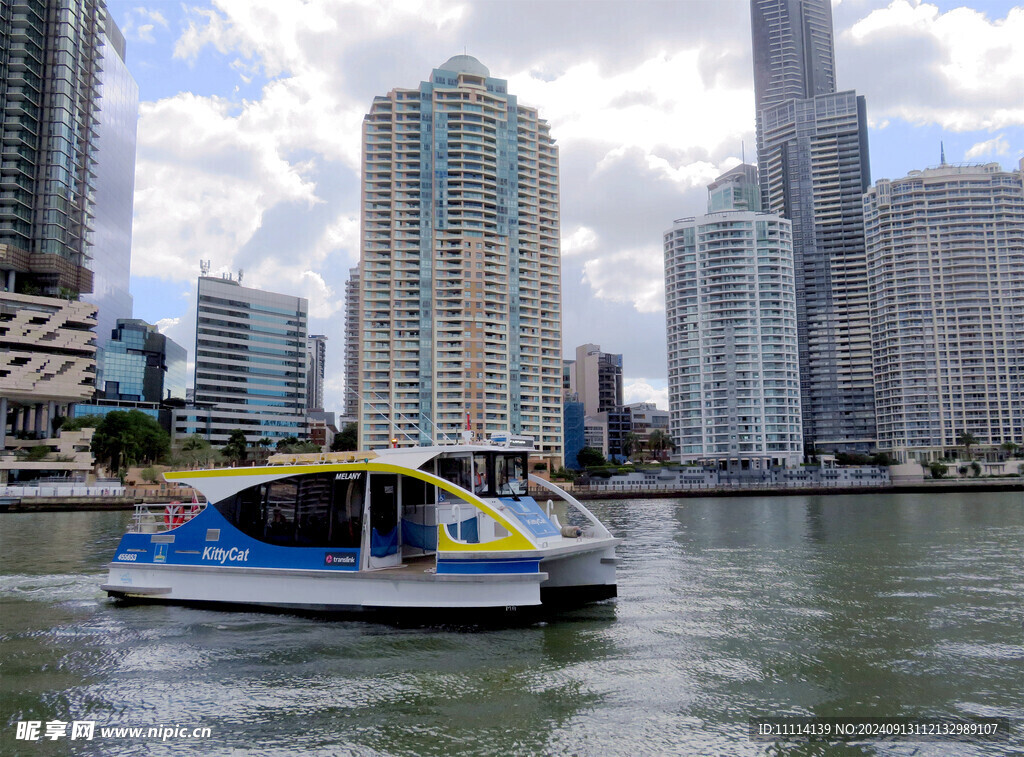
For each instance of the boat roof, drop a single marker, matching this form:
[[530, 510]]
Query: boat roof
[[415, 457], [406, 457]]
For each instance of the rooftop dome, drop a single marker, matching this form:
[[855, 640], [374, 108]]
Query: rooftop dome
[[465, 64]]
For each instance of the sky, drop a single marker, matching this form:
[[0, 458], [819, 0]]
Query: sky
[[250, 115]]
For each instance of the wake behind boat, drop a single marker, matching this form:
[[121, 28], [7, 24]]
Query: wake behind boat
[[418, 530]]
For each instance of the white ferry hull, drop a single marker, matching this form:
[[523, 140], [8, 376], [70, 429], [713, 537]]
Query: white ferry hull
[[319, 591], [385, 534]]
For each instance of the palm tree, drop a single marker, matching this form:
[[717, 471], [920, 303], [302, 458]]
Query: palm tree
[[658, 442], [630, 444], [966, 439]]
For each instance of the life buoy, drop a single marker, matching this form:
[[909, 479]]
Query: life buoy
[[174, 515]]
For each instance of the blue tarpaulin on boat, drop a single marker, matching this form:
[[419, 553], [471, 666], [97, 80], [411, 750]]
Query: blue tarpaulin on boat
[[419, 535], [469, 530], [387, 544]]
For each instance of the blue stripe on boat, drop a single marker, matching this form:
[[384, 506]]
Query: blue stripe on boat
[[488, 566]]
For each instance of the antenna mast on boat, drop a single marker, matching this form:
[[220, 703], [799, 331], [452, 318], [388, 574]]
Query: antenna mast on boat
[[404, 417], [401, 416]]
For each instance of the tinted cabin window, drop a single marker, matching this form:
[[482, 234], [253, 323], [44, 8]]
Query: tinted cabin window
[[415, 492], [481, 475], [280, 511], [300, 511], [455, 469], [313, 511], [250, 511], [347, 513], [510, 475]]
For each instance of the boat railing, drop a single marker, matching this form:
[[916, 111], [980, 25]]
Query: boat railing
[[588, 523], [157, 518]]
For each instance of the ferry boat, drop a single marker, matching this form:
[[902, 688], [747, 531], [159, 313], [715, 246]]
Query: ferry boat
[[414, 530]]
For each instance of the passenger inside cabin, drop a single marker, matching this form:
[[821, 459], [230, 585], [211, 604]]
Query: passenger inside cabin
[[278, 530]]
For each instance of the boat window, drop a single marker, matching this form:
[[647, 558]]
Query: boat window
[[510, 474], [481, 479], [416, 492], [454, 469], [280, 511], [347, 514], [313, 511], [245, 510], [320, 510]]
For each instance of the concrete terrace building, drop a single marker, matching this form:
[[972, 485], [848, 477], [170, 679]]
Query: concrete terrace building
[[48, 363], [460, 281], [733, 368], [250, 364], [945, 253], [813, 168], [596, 378]]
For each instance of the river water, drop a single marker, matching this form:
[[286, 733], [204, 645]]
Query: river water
[[870, 605]]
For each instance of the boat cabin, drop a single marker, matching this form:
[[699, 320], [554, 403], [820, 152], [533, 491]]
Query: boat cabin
[[385, 514]]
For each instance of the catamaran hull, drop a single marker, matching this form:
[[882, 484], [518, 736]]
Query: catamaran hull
[[565, 580]]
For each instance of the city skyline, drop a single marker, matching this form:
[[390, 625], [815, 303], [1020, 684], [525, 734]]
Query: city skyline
[[272, 145]]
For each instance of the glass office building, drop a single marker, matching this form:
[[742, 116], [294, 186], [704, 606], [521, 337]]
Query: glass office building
[[111, 248], [250, 363], [142, 364]]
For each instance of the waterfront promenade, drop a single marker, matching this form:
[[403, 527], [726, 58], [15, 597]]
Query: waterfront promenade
[[128, 498], [725, 489]]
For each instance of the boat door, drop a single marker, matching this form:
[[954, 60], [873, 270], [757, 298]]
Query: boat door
[[384, 537]]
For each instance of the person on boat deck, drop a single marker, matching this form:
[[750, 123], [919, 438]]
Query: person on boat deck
[[481, 482], [279, 526]]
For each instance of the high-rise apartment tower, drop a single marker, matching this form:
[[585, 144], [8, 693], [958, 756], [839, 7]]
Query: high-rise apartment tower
[[351, 403], [460, 289], [68, 163], [946, 271], [733, 369], [812, 151], [316, 371]]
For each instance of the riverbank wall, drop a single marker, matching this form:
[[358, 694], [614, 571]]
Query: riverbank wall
[[640, 492], [59, 504]]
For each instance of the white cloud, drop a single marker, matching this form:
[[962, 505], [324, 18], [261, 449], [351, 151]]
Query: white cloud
[[651, 107], [140, 23], [635, 276], [166, 323], [995, 146], [584, 239], [643, 390], [204, 179], [958, 69]]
